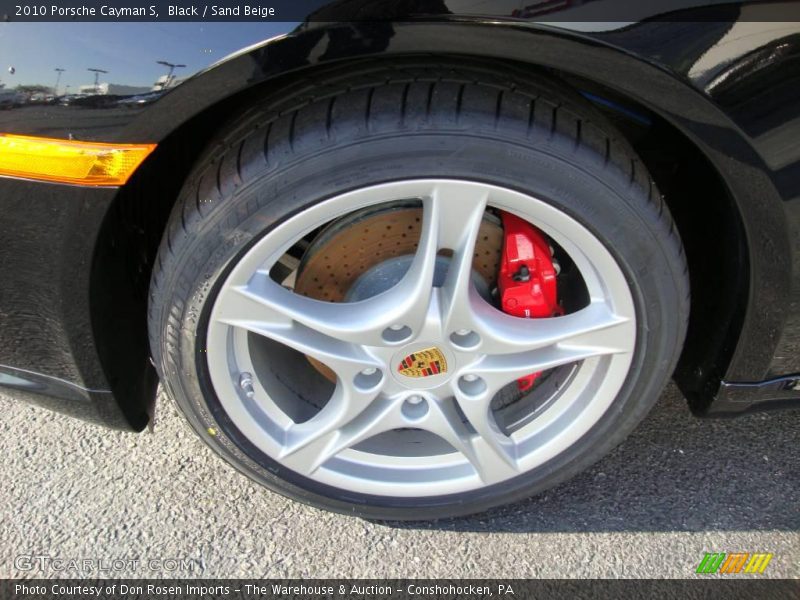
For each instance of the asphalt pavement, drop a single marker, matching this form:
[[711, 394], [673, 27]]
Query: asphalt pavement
[[161, 504]]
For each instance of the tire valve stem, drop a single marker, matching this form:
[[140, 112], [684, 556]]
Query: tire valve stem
[[246, 383]]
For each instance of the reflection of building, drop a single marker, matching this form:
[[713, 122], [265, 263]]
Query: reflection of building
[[112, 89], [165, 82]]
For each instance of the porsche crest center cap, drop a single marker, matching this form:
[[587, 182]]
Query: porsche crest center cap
[[423, 363]]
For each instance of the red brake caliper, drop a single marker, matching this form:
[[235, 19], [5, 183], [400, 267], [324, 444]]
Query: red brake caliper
[[527, 279]]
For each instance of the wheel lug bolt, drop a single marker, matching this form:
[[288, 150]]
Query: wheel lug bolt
[[368, 378], [465, 339], [394, 334], [472, 385], [414, 408]]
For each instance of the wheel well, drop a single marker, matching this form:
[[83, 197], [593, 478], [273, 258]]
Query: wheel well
[[714, 240], [704, 212]]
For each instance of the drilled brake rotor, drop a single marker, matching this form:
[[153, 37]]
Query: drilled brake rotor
[[351, 246], [348, 248]]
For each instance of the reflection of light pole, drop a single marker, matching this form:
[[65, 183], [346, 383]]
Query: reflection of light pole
[[58, 79], [172, 68], [96, 78]]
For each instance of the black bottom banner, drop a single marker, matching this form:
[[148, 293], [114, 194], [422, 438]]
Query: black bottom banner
[[394, 589]]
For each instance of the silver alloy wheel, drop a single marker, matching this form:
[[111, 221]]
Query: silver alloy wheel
[[365, 342]]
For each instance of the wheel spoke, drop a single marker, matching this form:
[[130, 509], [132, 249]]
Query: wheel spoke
[[451, 218], [562, 340], [262, 302], [267, 304], [243, 309], [348, 418], [594, 326], [489, 450], [461, 208]]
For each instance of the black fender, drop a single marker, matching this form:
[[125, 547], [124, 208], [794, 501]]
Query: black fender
[[754, 329]]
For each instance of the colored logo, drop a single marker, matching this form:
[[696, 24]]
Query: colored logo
[[423, 363], [737, 562]]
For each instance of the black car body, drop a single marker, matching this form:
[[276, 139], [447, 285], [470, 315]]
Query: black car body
[[709, 95]]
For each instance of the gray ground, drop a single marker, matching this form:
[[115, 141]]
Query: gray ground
[[677, 488]]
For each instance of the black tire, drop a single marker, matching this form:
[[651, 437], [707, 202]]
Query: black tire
[[370, 123]]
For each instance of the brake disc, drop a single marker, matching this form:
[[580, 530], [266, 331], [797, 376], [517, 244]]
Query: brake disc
[[351, 246]]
